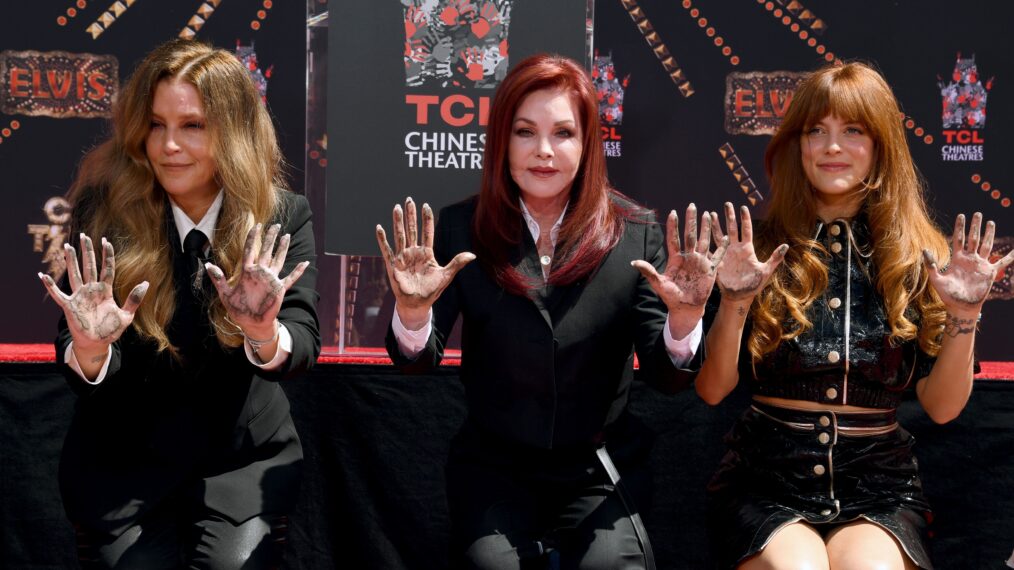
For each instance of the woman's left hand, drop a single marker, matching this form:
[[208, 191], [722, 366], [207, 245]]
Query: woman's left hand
[[965, 282], [253, 302]]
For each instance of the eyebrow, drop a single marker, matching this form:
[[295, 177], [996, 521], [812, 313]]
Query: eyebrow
[[558, 123], [184, 117], [845, 123]]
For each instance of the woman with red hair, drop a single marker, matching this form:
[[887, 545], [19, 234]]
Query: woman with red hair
[[552, 314]]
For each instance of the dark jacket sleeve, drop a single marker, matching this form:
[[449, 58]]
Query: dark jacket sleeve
[[656, 367], [299, 306], [74, 380]]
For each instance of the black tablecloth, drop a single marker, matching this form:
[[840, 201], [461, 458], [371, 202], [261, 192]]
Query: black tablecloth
[[375, 443]]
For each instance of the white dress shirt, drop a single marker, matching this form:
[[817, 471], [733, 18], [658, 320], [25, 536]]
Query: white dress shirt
[[411, 343], [207, 227]]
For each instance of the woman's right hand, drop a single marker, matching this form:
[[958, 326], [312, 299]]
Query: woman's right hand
[[689, 272], [93, 317], [417, 280], [740, 274]]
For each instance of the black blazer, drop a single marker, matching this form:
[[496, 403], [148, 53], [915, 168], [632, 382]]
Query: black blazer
[[553, 369], [215, 428]]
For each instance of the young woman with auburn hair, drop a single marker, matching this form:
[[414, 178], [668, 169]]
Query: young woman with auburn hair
[[818, 472], [182, 452], [552, 314]]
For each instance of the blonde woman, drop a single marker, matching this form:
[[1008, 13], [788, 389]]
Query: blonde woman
[[818, 472], [182, 451]]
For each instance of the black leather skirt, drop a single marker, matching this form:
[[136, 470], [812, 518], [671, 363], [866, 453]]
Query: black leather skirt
[[823, 468]]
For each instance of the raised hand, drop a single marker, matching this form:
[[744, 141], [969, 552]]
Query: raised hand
[[255, 298], [93, 317], [417, 280], [689, 273], [964, 284], [741, 275]]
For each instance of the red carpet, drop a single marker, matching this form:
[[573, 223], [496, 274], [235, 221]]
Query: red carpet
[[45, 353]]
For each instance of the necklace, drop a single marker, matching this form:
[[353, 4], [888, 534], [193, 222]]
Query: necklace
[[545, 260]]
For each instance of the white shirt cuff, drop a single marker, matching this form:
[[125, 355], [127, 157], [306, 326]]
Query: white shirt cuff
[[70, 359], [411, 343], [683, 350], [281, 354]]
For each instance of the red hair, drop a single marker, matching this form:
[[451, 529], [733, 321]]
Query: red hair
[[893, 203], [594, 221]]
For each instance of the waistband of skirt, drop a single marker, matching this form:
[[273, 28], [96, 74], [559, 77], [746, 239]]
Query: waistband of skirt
[[849, 423]]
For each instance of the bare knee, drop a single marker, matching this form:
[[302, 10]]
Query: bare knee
[[866, 546], [869, 560], [795, 547]]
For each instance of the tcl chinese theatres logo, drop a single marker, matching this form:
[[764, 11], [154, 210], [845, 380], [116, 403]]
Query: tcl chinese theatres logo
[[610, 91], [964, 112]]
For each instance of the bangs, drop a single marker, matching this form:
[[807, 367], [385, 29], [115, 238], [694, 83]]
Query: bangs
[[840, 96]]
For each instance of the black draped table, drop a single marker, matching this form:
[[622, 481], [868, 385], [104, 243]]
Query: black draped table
[[375, 443]]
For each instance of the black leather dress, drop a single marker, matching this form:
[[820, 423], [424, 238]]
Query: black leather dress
[[821, 467]]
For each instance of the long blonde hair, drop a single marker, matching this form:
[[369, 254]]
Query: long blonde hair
[[116, 195], [893, 201]]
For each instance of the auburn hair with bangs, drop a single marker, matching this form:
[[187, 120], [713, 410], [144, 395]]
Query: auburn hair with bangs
[[593, 223], [893, 201]]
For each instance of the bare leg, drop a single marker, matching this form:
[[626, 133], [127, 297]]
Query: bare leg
[[863, 544], [795, 547]]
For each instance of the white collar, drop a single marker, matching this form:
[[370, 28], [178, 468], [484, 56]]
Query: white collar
[[207, 224], [533, 226]]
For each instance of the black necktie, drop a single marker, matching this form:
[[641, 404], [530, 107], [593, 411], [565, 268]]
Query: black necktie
[[188, 320], [193, 250]]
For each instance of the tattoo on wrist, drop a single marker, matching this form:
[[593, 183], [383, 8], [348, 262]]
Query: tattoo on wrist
[[955, 326]]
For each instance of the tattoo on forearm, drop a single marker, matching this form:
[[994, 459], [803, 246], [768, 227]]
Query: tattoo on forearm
[[954, 326]]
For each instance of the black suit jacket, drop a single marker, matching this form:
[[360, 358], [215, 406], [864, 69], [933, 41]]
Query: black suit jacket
[[214, 427], [554, 369]]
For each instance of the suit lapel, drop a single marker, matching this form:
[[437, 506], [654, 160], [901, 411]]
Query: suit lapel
[[553, 302]]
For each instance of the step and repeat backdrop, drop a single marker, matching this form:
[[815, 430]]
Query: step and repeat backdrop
[[690, 92]]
